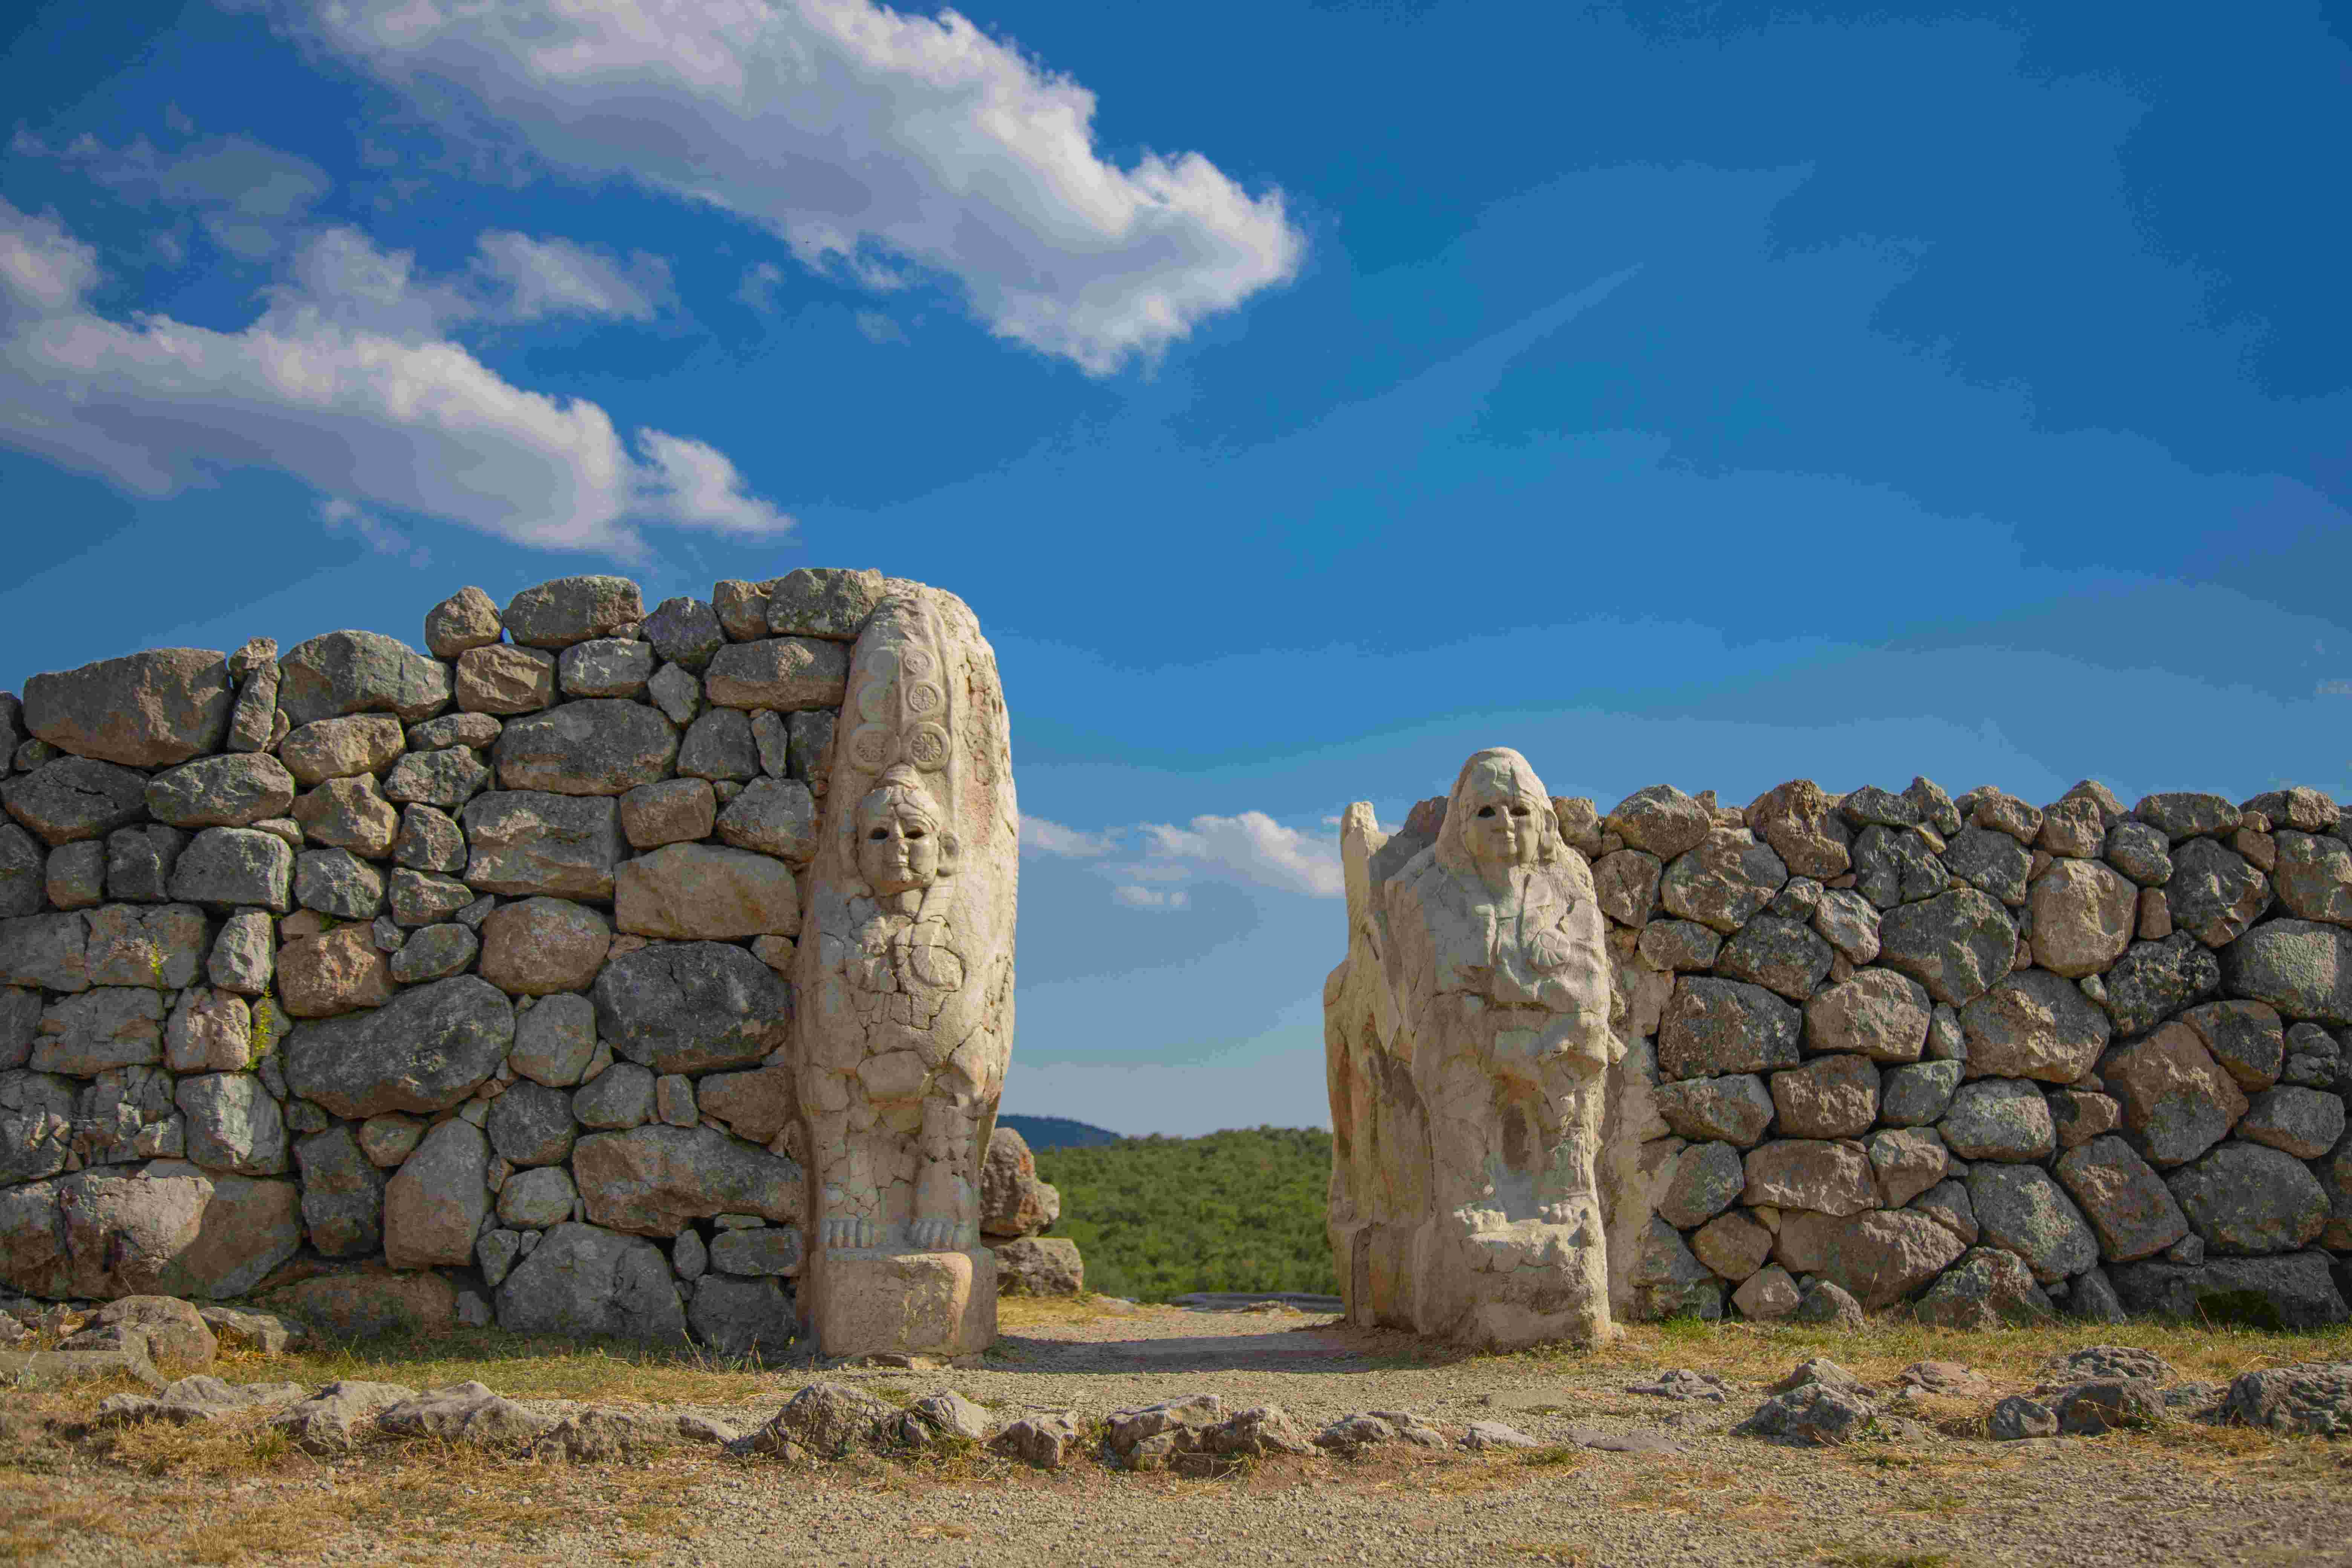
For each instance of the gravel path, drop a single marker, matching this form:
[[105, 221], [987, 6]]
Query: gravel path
[[2189, 1494]]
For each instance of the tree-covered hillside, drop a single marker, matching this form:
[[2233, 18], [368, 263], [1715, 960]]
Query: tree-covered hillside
[[1057, 1132], [1157, 1217]]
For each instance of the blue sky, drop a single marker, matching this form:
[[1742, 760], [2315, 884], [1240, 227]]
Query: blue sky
[[1304, 395]]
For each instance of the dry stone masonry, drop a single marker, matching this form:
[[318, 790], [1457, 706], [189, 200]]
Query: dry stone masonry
[[1979, 1060], [406, 987]]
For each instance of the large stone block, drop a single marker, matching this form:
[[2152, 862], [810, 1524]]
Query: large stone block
[[232, 868], [2021, 1208], [1784, 956], [2296, 1291], [526, 842], [591, 1282], [1826, 1176], [110, 1026], [2126, 1202], [2314, 877], [2248, 1200], [1957, 944], [1879, 1256], [435, 1203], [2245, 1037], [567, 610], [2214, 894], [233, 1124], [1725, 881], [221, 792], [1735, 1109], [72, 798], [653, 1180], [2303, 968], [1829, 1097], [1999, 1119], [690, 1007], [595, 746], [1878, 1013], [1714, 1026], [1660, 819], [360, 672], [160, 946], [99, 1234], [340, 748], [144, 710], [695, 892], [343, 1193], [428, 1048], [2177, 1100], [2034, 1025], [536, 947], [2154, 980], [785, 674]]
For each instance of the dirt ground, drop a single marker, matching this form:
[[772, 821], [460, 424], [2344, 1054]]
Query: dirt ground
[[2187, 1492]]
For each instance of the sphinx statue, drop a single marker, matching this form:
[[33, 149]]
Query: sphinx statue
[[1467, 1045], [905, 986]]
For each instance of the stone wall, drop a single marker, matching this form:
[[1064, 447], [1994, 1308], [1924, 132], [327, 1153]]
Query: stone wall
[[403, 986], [1971, 1057]]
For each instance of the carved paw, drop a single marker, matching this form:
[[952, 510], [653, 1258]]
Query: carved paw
[[933, 1234], [847, 1231]]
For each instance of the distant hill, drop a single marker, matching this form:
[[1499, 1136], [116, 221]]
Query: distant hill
[[1157, 1217], [1057, 1133]]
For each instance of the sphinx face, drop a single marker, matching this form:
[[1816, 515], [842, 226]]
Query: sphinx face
[[1504, 828], [897, 845]]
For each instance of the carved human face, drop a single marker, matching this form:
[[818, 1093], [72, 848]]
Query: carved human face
[[897, 845], [1506, 827]]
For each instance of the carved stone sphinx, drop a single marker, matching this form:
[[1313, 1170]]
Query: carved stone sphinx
[[1467, 1043], [906, 986]]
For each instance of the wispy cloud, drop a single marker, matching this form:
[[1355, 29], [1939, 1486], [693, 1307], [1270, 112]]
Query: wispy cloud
[[1150, 864], [349, 381], [877, 144], [530, 280], [249, 199]]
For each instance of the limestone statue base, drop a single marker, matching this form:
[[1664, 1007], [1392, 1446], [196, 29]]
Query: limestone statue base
[[872, 1302]]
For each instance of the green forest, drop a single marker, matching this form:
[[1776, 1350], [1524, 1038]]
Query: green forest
[[1157, 1217]]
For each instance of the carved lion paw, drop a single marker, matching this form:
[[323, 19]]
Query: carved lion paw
[[933, 1234]]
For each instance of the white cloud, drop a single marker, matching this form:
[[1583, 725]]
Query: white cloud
[[871, 142], [339, 515], [247, 197], [1252, 848], [539, 278], [1052, 839], [343, 382], [761, 282], [877, 328], [1157, 859]]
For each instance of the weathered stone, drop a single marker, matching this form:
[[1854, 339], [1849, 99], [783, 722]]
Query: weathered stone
[[389, 1139], [2018, 1207], [2074, 828], [360, 672], [1917, 1094], [1999, 1119], [675, 811], [1732, 1245], [2295, 1292], [2301, 967], [693, 892], [2140, 852], [2033, 1025], [621, 1096], [446, 778], [1849, 923], [222, 791], [348, 814], [435, 1203], [719, 745], [1988, 1289], [427, 1050], [139, 861], [651, 1180], [1781, 956], [339, 748], [1803, 828], [1723, 882], [583, 1281], [526, 842], [605, 666], [2184, 813], [1826, 1177], [773, 816], [1907, 1162], [2127, 1203], [332, 974], [568, 610], [759, 1252], [504, 679], [112, 1027], [74, 798], [823, 602], [2081, 1116], [2314, 877], [343, 1193], [1957, 944], [1735, 1109], [451, 730], [676, 693], [1896, 866], [1991, 861], [554, 1040], [691, 1006], [51, 952], [233, 1124], [2004, 813], [1872, 806], [2083, 918], [786, 674], [144, 710], [429, 840], [2304, 1122], [1660, 819], [160, 946], [1767, 1296], [685, 632], [339, 883], [1627, 886], [75, 876], [99, 1234], [535, 947], [1707, 1180], [595, 747], [1878, 1013], [736, 1317], [1712, 1027], [531, 1125], [1948, 1205], [22, 863], [772, 733], [2245, 1199], [1668, 1282], [426, 897], [1829, 1097], [465, 620], [1013, 1201], [2311, 1398], [2177, 1100], [810, 751], [1673, 946], [2157, 979], [2214, 894]]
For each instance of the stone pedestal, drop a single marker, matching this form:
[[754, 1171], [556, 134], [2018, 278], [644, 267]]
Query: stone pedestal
[[866, 1302]]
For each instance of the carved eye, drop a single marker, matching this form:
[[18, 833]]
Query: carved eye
[[879, 835], [914, 833], [1485, 811], [1518, 811]]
